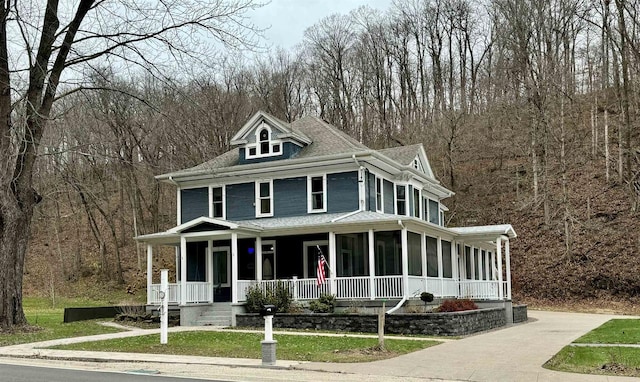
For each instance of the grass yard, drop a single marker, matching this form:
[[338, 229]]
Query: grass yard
[[597, 360], [609, 360], [617, 331], [247, 345], [47, 323]]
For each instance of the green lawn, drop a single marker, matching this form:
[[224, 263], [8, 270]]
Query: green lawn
[[618, 331], [247, 345], [48, 323], [597, 360], [610, 360]]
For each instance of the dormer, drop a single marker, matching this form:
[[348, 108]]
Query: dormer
[[266, 138], [421, 164]]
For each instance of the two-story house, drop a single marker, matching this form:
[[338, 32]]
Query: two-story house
[[286, 192]]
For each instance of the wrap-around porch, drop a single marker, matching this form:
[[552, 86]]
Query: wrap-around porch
[[220, 262]]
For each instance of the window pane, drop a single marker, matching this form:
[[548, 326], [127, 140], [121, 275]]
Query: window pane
[[264, 190], [316, 184], [476, 257], [217, 210], [276, 148], [264, 148], [467, 261], [252, 151], [317, 202], [416, 202], [378, 194], [447, 266], [401, 200], [484, 265], [264, 135], [265, 206], [432, 256], [433, 212], [217, 194]]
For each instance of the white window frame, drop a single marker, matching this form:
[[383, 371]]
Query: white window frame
[[429, 200], [256, 145], [418, 200], [395, 198], [224, 202], [310, 208], [258, 200], [379, 206], [417, 164]]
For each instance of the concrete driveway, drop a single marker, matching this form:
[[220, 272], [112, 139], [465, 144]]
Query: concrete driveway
[[513, 354]]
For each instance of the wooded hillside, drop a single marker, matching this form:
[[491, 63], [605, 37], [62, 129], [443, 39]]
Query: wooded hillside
[[528, 111]]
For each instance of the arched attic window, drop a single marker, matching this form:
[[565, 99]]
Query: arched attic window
[[265, 145]]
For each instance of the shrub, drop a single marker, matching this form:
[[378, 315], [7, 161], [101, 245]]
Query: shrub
[[325, 304], [457, 305], [278, 295], [426, 297]]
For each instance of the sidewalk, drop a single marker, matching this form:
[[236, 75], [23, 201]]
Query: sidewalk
[[512, 354]]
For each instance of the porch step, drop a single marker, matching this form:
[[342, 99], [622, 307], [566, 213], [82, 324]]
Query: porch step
[[218, 315]]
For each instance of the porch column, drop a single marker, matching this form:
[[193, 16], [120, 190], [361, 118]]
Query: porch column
[[234, 267], [454, 260], [487, 265], [507, 261], [480, 264], [493, 265], [440, 266], [472, 255], [258, 258], [183, 270], [372, 265], [149, 272], [423, 258], [405, 261], [209, 266], [332, 262], [499, 257]]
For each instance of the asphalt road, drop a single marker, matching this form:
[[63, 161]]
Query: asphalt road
[[19, 373]]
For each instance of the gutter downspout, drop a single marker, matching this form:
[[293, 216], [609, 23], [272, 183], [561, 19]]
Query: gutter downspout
[[404, 298]]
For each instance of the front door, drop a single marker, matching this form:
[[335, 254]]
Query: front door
[[221, 274]]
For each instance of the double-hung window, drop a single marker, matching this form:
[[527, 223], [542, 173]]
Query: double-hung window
[[401, 199], [317, 193], [217, 202], [264, 198], [416, 202]]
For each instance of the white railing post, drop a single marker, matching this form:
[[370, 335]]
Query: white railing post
[[209, 265], [423, 257], [499, 258], [164, 307], [149, 272], [258, 251], [295, 288], [440, 266], [372, 266]]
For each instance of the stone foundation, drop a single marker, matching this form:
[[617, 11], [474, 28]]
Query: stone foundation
[[519, 313], [436, 324]]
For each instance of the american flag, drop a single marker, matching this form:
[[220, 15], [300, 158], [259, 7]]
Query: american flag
[[320, 275]]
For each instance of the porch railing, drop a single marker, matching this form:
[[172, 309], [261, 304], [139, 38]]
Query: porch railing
[[481, 289], [197, 292]]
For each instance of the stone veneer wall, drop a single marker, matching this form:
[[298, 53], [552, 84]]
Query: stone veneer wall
[[437, 324], [519, 313]]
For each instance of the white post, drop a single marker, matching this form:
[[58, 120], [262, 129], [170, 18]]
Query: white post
[[183, 270], [234, 267], [440, 270], [454, 260], [472, 255], [268, 328], [487, 265], [332, 262], [178, 206], [405, 261], [372, 265], [164, 307], [258, 259], [423, 256], [295, 288], [480, 264], [149, 272], [507, 261], [499, 257], [209, 266]]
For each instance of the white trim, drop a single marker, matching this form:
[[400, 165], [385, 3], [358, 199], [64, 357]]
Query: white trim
[[257, 145], [178, 206], [234, 267], [395, 198], [259, 214], [310, 197]]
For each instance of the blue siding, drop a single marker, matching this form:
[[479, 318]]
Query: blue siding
[[388, 197], [342, 192], [290, 197], [194, 202], [289, 150], [371, 191], [240, 201]]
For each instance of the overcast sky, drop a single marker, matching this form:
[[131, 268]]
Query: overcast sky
[[288, 19]]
